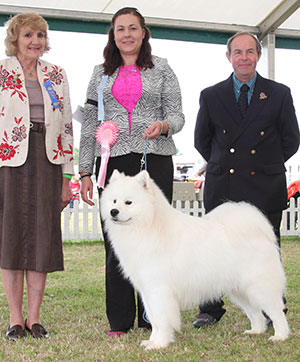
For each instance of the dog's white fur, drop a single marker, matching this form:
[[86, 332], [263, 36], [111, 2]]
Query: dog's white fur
[[177, 261]]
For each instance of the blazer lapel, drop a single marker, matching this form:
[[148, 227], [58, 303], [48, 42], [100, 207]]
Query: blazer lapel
[[258, 100], [227, 97]]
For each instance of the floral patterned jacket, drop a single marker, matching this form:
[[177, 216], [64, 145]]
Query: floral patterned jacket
[[15, 114]]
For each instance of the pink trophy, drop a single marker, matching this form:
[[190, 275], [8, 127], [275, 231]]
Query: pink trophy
[[106, 136]]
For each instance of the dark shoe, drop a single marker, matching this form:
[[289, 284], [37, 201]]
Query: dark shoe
[[15, 332], [37, 330], [204, 320]]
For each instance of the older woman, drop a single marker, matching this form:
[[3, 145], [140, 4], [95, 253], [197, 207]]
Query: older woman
[[141, 95], [35, 151]]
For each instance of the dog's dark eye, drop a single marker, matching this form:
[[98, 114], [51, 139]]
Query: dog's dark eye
[[115, 201], [128, 202]]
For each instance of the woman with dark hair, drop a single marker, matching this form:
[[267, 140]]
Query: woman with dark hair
[[36, 151], [112, 54], [140, 93]]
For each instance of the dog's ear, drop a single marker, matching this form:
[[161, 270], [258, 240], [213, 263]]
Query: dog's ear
[[115, 175], [143, 178]]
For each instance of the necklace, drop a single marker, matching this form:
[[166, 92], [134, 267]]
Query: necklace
[[30, 72]]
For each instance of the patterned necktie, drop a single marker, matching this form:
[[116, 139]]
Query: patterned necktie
[[243, 99]]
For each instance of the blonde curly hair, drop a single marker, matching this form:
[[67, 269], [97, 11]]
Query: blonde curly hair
[[32, 21]]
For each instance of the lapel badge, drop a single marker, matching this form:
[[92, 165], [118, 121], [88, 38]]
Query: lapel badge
[[262, 95]]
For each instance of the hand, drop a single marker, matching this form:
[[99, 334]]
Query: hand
[[66, 194], [87, 190], [155, 130]]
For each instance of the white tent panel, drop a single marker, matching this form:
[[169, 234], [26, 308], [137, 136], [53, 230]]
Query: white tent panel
[[216, 11], [293, 22]]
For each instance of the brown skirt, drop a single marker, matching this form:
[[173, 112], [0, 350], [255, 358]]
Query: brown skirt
[[30, 211]]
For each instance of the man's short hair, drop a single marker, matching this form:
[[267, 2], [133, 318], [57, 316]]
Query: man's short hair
[[257, 42]]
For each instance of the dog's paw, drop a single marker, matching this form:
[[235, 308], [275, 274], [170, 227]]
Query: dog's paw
[[149, 345], [153, 345], [145, 343], [277, 338], [253, 331]]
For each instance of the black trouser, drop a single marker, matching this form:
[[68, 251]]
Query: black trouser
[[215, 308], [120, 295]]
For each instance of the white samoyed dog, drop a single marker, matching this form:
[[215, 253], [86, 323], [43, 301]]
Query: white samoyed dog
[[177, 261]]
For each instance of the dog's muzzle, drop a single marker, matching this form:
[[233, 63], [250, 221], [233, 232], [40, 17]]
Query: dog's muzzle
[[114, 212], [115, 216]]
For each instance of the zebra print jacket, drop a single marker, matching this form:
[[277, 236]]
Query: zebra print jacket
[[160, 101]]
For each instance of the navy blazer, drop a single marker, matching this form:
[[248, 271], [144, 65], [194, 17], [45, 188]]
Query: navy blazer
[[246, 156]]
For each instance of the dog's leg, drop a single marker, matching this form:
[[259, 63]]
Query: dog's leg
[[272, 304], [280, 324], [160, 337], [164, 315], [252, 311], [270, 301], [281, 329], [257, 321]]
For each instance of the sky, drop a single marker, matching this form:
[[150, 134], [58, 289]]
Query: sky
[[197, 66]]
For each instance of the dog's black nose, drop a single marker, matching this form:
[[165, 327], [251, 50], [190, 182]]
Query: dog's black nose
[[114, 212]]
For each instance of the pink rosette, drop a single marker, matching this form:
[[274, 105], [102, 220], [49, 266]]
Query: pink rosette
[[106, 136]]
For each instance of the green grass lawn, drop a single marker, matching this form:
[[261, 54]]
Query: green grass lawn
[[74, 313]]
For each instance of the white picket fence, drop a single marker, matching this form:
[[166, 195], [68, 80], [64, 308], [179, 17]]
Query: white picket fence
[[83, 221]]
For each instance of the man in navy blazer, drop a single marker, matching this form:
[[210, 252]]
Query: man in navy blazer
[[245, 148]]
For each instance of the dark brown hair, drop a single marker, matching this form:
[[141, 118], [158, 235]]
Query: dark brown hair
[[112, 54]]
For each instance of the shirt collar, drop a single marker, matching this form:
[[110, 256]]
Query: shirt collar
[[237, 84]]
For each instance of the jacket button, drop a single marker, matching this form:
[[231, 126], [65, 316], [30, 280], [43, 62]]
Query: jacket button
[[253, 152], [252, 173], [232, 171], [262, 133], [232, 150], [224, 131]]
